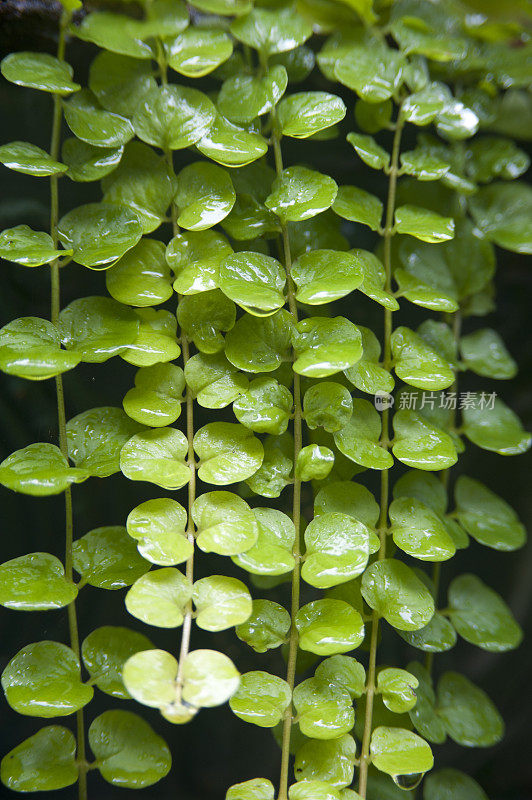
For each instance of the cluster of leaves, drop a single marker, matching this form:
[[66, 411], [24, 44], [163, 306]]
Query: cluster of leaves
[[253, 250]]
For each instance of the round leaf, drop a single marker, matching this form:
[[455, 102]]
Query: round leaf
[[157, 456], [39, 71], [95, 438], [254, 281], [261, 699], [40, 469], [159, 527], [329, 626], [300, 193], [486, 516], [303, 114], [44, 762], [267, 626], [323, 276], [225, 523], [228, 452], [99, 233], [107, 558], [104, 653], [338, 549], [35, 582], [159, 597], [31, 348], [173, 117], [481, 616], [220, 602], [468, 714], [394, 591], [399, 752], [29, 159], [204, 196]]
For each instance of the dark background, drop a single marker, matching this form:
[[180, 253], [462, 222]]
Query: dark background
[[217, 749]]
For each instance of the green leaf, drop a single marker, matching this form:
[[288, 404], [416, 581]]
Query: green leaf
[[358, 205], [272, 552], [487, 517], [325, 346], [397, 687], [423, 165], [31, 348], [276, 468], [260, 345], [272, 30], [328, 405], [104, 653], [331, 761], [314, 462], [417, 364], [163, 18], [261, 699], [343, 671], [210, 678], [451, 783], [204, 316], [35, 582], [95, 438], [204, 196], [346, 497], [254, 281], [436, 637], [399, 752], [373, 117], [337, 550], [374, 280], [255, 789], [39, 71], [368, 150], [424, 715], [422, 107], [299, 193], [29, 159], [481, 616], [323, 276], [128, 752], [44, 762], [225, 523], [484, 353], [150, 677], [143, 183], [425, 276], [173, 117], [195, 258], [265, 407], [367, 374], [493, 157], [469, 716], [27, 247], [43, 680], [107, 558], [267, 627], [244, 97], [213, 381], [370, 68], [303, 114], [157, 456], [359, 439], [94, 125], [39, 470], [419, 531], [502, 214], [318, 233], [420, 444], [89, 163], [325, 711], [99, 233], [313, 790], [231, 145], [249, 219], [198, 51], [97, 328], [220, 602], [228, 452], [156, 398], [393, 590], [328, 626], [114, 32], [423, 224], [495, 427], [119, 82], [159, 597], [141, 277], [159, 526]]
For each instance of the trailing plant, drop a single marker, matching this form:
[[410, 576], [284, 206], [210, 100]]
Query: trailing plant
[[213, 209]]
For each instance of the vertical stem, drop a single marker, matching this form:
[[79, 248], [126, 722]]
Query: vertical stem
[[55, 282], [383, 516], [296, 503]]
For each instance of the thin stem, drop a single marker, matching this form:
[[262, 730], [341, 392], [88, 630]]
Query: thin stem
[[55, 283], [384, 494], [296, 502]]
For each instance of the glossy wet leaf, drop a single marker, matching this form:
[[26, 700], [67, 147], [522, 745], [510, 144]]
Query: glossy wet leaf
[[260, 345], [328, 405], [255, 789], [156, 456], [422, 107], [250, 219], [359, 439], [99, 233], [481, 616], [299, 193], [43, 680], [114, 32], [424, 715], [419, 531], [220, 602], [331, 761], [120, 82], [150, 677], [173, 117], [198, 51], [156, 340], [225, 523], [337, 550], [204, 196], [254, 281], [485, 353], [159, 526], [272, 552], [368, 150], [357, 205], [107, 558], [97, 328], [104, 653], [30, 248], [30, 160], [35, 582], [88, 163], [344, 671], [272, 31], [210, 678], [425, 276], [374, 280], [195, 258], [213, 381], [437, 636], [346, 497], [451, 783], [261, 699], [95, 438], [157, 395], [417, 364], [371, 69], [230, 145], [323, 276], [317, 790], [397, 687], [228, 452], [39, 469], [424, 166], [394, 591], [31, 348], [469, 716], [306, 113], [44, 762], [486, 516], [204, 316], [276, 469], [267, 626], [367, 374], [265, 407], [496, 427], [159, 597], [420, 444], [400, 752], [423, 224], [39, 71], [92, 124], [325, 711], [502, 213], [314, 462], [129, 753], [329, 626], [325, 346], [244, 97]]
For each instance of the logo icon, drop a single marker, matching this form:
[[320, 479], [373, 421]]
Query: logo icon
[[383, 400]]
